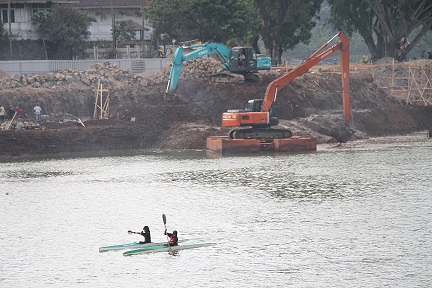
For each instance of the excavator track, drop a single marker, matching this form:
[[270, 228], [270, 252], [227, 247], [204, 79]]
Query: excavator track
[[260, 134], [226, 77]]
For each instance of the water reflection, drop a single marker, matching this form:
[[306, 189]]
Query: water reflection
[[25, 174], [282, 184]]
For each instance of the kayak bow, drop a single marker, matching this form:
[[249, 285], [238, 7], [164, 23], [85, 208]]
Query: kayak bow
[[163, 248], [133, 245]]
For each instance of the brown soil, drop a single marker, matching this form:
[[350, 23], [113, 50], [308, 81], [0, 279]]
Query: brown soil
[[310, 106]]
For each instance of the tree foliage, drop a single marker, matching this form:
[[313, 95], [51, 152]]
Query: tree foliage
[[65, 29], [389, 28], [285, 23], [232, 22], [4, 36], [125, 31]]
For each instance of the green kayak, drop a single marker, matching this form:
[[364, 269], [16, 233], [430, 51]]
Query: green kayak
[[133, 245], [163, 248]]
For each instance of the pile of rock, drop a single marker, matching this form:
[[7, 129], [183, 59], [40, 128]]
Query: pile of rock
[[193, 69], [106, 73], [21, 125]]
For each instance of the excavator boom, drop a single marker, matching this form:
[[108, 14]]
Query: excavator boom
[[257, 113], [314, 59], [221, 51], [238, 60]]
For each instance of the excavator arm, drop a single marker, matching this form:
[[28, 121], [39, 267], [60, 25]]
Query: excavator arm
[[257, 112], [314, 59], [221, 51]]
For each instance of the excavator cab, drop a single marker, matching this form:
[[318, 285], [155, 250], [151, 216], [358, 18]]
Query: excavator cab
[[253, 105], [242, 59]]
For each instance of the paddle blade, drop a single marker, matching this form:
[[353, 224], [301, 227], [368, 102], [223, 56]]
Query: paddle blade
[[164, 218]]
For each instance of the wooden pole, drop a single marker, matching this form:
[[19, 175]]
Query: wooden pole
[[101, 101], [10, 123]]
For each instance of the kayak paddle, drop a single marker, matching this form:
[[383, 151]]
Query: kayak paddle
[[164, 220]]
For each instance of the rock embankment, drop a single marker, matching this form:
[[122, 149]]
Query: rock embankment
[[200, 68], [106, 74]]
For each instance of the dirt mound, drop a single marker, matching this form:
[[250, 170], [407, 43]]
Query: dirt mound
[[310, 106], [3, 74], [200, 68]]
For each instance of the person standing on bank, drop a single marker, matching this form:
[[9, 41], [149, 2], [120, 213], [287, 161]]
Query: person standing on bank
[[11, 112], [145, 233], [365, 59], [19, 112], [2, 114], [37, 111]]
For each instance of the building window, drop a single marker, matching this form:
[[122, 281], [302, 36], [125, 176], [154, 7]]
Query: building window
[[40, 7], [17, 6], [4, 15], [4, 12]]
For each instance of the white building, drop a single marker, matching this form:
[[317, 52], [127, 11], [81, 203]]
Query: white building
[[16, 16]]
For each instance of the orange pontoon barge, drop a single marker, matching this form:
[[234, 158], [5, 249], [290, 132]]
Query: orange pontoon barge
[[225, 145]]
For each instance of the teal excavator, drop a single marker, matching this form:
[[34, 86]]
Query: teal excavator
[[238, 60]]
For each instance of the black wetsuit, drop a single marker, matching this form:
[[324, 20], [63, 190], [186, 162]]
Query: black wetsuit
[[147, 237]]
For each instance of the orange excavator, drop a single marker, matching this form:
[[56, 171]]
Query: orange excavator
[[257, 113]]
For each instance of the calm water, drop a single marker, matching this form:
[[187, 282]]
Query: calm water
[[358, 216]]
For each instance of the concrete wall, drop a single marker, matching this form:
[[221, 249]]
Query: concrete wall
[[23, 50], [135, 66]]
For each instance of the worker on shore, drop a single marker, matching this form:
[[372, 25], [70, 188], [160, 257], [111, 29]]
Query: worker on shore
[[2, 114], [20, 112], [145, 233], [37, 111], [11, 112], [365, 59], [173, 239]]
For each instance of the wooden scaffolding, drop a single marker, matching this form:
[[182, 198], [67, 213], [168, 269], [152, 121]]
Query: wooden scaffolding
[[409, 82], [101, 109]]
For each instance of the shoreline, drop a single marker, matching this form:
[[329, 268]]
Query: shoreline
[[371, 143]]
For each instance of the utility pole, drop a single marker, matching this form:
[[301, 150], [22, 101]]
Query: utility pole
[[113, 28], [143, 27], [10, 29]]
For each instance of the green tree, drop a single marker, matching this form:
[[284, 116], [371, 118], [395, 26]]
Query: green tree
[[64, 30], [233, 22], [4, 36], [285, 23], [389, 28], [125, 31], [321, 33]]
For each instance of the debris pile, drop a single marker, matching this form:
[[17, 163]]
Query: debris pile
[[21, 125], [105, 73], [194, 69]]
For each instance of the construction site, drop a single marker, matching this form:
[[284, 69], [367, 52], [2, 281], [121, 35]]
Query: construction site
[[107, 108]]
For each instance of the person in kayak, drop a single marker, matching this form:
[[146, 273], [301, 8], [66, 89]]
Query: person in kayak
[[145, 233], [173, 239]]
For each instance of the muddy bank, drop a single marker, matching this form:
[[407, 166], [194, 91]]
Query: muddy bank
[[310, 106]]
